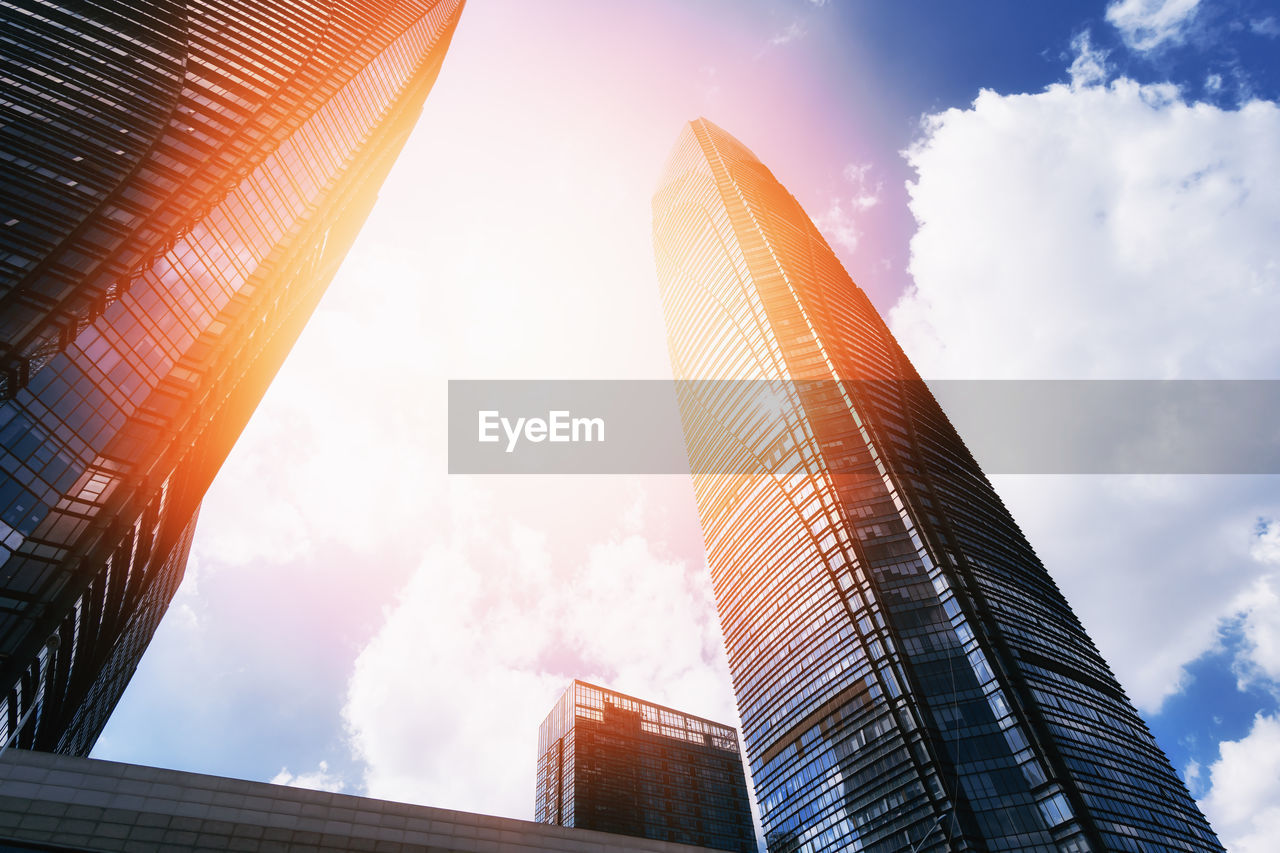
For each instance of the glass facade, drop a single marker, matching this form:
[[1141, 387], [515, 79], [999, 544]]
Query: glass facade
[[181, 181], [617, 764], [909, 677]]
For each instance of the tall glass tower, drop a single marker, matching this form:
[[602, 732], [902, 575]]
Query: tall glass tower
[[909, 677], [180, 181]]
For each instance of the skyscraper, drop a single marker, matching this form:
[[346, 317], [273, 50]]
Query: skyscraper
[[909, 677], [180, 182], [614, 763]]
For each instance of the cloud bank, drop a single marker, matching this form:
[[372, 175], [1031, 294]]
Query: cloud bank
[[445, 702], [1244, 801], [1119, 230]]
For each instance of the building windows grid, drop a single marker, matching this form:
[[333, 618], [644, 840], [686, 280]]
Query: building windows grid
[[952, 614], [614, 763]]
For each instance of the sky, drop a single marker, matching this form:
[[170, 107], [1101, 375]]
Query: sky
[[1025, 190]]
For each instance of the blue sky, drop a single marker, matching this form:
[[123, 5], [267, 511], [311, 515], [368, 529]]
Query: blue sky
[[1032, 190]]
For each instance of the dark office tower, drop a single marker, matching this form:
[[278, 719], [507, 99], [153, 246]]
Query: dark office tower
[[909, 676], [614, 763], [180, 182]]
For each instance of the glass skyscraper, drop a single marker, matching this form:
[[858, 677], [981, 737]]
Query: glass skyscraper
[[180, 182], [909, 677], [614, 763]]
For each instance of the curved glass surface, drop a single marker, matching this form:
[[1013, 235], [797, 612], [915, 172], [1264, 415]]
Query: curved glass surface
[[107, 450], [908, 675]]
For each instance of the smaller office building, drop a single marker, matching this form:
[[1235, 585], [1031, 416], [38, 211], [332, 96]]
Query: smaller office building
[[617, 764]]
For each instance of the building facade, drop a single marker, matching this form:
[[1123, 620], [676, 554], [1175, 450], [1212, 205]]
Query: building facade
[[180, 182], [618, 764], [908, 675], [68, 804]]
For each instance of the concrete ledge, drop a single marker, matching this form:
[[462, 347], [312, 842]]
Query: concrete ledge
[[83, 804]]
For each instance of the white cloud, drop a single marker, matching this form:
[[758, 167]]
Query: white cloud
[[1113, 231], [445, 702], [1193, 773], [1148, 24], [864, 197], [1267, 548], [1089, 67], [839, 222], [839, 225], [1141, 224], [793, 32], [320, 779], [1268, 27], [1151, 565], [1243, 803], [1258, 661]]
